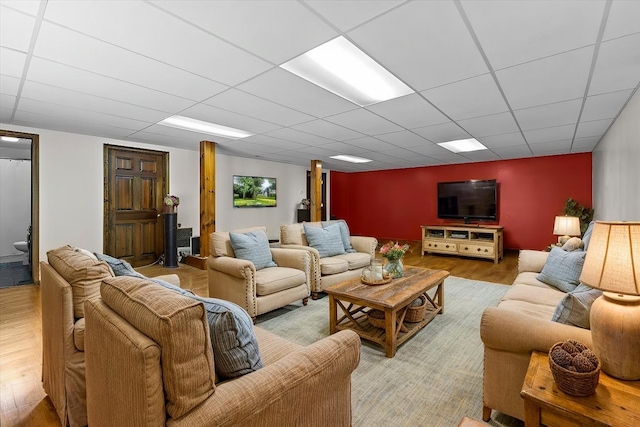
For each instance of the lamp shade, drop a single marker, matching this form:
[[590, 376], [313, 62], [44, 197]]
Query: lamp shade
[[567, 226], [613, 258]]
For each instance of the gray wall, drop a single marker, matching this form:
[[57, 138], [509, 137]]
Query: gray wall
[[616, 168]]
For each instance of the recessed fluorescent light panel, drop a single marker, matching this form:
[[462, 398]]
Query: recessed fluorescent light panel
[[186, 123], [9, 139], [340, 67], [463, 145], [351, 159]]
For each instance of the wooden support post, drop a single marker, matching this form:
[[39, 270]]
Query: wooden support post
[[207, 194], [316, 190]]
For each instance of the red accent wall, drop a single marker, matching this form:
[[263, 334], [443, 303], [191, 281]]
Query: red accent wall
[[393, 204]]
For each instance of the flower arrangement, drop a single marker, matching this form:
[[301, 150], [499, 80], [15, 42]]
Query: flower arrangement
[[170, 203], [393, 251], [305, 203]]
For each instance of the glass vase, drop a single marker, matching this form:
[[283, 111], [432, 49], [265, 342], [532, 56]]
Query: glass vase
[[394, 267]]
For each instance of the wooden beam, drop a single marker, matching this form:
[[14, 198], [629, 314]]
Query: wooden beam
[[207, 194], [316, 190]]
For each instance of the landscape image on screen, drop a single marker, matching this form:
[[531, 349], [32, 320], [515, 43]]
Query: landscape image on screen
[[254, 192]]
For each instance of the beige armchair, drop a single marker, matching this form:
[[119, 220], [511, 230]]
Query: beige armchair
[[257, 291]]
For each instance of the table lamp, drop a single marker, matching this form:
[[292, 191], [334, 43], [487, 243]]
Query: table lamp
[[612, 264], [566, 226]]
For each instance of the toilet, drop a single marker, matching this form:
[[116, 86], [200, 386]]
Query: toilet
[[24, 248]]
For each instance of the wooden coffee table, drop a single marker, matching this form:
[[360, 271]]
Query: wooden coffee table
[[355, 299]]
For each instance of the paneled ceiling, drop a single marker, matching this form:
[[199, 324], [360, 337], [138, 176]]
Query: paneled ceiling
[[525, 78]]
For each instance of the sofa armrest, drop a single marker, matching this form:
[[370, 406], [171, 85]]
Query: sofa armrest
[[512, 331], [529, 260], [174, 279], [235, 267], [312, 386], [314, 270], [364, 244], [298, 258]]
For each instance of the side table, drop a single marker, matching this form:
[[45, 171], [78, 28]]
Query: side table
[[614, 403]]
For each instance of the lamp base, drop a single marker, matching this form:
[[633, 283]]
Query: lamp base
[[615, 330]]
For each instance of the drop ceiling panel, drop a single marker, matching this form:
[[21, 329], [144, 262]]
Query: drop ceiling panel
[[371, 144], [54, 95], [7, 102], [411, 111], [29, 7], [618, 66], [364, 121], [556, 133], [184, 135], [589, 142], [623, 19], [506, 140], [70, 123], [253, 106], [274, 144], [59, 75], [494, 124], [276, 31], [402, 153], [605, 106], [481, 156], [345, 148], [513, 152], [594, 128], [61, 45], [425, 44], [544, 116], [474, 97], [165, 140], [218, 116], [553, 147], [298, 136], [15, 29], [284, 88], [159, 36], [514, 32], [442, 133], [12, 62], [556, 78], [9, 85], [404, 139], [328, 130], [346, 14], [5, 113], [436, 152]]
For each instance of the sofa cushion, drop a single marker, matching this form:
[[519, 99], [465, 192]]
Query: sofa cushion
[[575, 307], [82, 272], [327, 241], [546, 295], [344, 234], [78, 334], [562, 269], [179, 325], [540, 311], [253, 246], [293, 234], [355, 260], [272, 280], [333, 265], [530, 278]]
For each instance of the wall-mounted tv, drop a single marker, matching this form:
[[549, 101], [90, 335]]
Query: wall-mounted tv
[[475, 200], [254, 192]]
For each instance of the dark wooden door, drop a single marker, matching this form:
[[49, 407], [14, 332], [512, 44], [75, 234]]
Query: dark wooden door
[[135, 186]]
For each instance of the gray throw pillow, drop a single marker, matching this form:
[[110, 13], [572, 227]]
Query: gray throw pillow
[[344, 234], [575, 307], [562, 269], [120, 267], [587, 234], [253, 246], [327, 241]]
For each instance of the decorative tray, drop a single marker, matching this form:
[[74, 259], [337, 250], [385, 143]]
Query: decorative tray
[[384, 281]]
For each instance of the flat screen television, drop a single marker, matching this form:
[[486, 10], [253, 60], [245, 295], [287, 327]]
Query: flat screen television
[[254, 192], [474, 200]]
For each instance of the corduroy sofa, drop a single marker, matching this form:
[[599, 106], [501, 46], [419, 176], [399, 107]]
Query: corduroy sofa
[[520, 324], [166, 375], [326, 271]]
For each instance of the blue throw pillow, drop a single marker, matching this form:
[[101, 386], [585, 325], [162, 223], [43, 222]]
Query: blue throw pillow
[[575, 307], [327, 241], [253, 246], [344, 234], [562, 269], [235, 347], [587, 234], [120, 267]]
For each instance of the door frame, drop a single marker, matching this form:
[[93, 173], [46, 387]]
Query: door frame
[[35, 198], [107, 209]]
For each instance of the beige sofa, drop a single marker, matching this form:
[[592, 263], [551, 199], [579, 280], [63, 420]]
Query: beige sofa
[[327, 271], [165, 376], [63, 293], [520, 324]]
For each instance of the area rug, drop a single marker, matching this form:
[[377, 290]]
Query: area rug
[[434, 379]]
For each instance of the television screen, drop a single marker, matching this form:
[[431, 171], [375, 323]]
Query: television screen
[[468, 200], [254, 192]]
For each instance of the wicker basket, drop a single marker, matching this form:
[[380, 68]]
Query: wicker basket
[[416, 314], [376, 318], [574, 383]]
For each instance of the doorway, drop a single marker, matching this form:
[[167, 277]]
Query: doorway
[[16, 147], [135, 185]]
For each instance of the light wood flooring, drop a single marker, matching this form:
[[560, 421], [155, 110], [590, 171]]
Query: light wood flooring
[[22, 399]]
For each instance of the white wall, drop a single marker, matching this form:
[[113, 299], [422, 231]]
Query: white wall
[[15, 203], [616, 168]]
